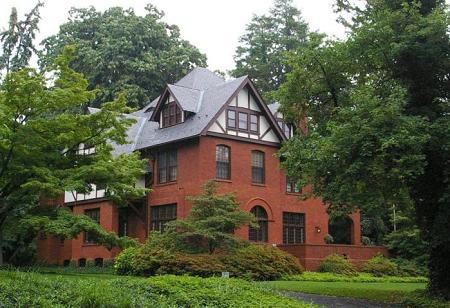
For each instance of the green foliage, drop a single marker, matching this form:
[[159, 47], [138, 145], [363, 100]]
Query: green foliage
[[420, 299], [378, 122], [43, 126], [255, 262], [119, 51], [200, 265], [407, 243], [360, 277], [36, 290], [410, 268], [17, 40], [123, 263], [366, 241], [379, 265], [211, 222], [261, 262], [263, 47], [328, 239], [337, 264]]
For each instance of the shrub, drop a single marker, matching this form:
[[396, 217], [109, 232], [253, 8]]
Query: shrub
[[380, 266], [366, 241], [328, 239], [360, 277], [337, 264], [108, 263], [261, 262], [123, 263], [195, 265], [73, 263], [410, 268]]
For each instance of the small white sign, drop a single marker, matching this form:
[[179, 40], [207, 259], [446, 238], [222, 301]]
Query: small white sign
[[225, 274]]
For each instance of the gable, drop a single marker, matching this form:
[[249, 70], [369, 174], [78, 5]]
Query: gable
[[245, 116]]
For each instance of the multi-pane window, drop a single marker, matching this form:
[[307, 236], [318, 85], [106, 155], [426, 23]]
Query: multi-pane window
[[258, 176], [259, 234], [171, 114], [231, 119], [293, 228], [223, 162], [94, 214], [167, 166], [254, 123], [160, 215], [292, 186], [242, 119]]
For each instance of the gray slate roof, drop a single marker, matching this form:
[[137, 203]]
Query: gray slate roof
[[200, 92]]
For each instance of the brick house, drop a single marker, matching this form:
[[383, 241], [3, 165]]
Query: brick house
[[202, 128]]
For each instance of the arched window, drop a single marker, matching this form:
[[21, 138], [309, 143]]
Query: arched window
[[223, 166], [259, 234], [258, 172]]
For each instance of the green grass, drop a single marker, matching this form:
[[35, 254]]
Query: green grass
[[32, 289], [388, 292]]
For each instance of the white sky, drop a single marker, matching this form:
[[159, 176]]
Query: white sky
[[214, 26]]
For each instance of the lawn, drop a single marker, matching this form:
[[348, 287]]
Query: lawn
[[389, 292], [31, 289]]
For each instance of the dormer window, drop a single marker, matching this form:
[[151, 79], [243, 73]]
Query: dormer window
[[285, 127], [171, 114], [244, 120]]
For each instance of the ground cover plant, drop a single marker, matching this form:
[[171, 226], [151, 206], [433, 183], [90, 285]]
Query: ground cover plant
[[337, 264], [22, 289]]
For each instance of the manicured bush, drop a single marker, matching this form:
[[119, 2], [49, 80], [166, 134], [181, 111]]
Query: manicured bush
[[379, 265], [108, 263], [73, 263], [261, 262], [36, 290], [90, 263], [202, 265], [337, 264], [366, 241]]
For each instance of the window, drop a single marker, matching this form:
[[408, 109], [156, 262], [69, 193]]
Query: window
[[160, 215], [259, 234], [167, 166], [254, 123], [223, 162], [292, 186], [93, 214], [257, 167], [286, 128], [293, 228], [247, 121], [98, 262], [171, 114], [243, 121], [231, 119]]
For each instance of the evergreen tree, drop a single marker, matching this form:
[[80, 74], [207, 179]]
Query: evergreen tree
[[212, 220], [263, 46]]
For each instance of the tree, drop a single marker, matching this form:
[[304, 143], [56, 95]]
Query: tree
[[212, 220], [17, 40], [120, 51], [384, 139], [43, 127], [263, 46]]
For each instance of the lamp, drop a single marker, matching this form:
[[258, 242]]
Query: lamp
[[318, 230]]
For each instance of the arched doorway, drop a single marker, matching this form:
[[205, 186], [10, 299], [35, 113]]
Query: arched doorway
[[259, 234], [341, 229]]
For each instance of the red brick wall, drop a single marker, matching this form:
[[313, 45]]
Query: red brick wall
[[312, 255]]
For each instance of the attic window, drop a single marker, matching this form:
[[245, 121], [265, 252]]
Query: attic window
[[171, 114]]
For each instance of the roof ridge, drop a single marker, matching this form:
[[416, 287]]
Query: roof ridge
[[175, 85]]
